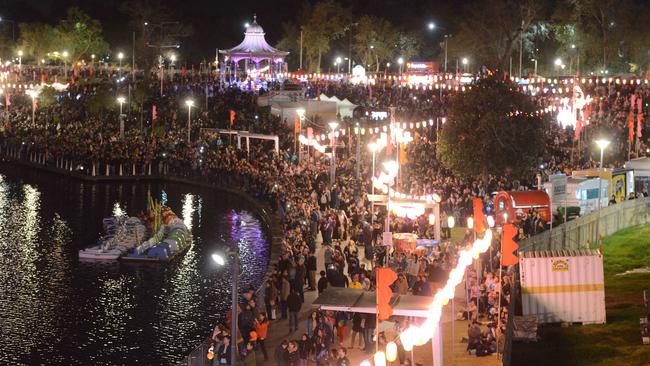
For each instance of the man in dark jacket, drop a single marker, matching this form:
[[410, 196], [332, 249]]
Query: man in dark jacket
[[294, 303], [281, 354], [311, 271], [322, 282]]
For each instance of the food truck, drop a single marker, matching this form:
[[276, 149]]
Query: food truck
[[513, 206], [620, 181]]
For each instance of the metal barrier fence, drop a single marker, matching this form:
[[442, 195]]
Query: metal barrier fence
[[199, 355], [581, 232]]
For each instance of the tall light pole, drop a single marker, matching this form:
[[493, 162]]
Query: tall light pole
[[121, 100], [465, 61], [301, 115], [602, 144], [338, 64], [221, 261], [373, 147], [535, 60], [33, 94], [400, 62], [333, 125], [120, 56], [190, 104], [65, 65], [20, 59]]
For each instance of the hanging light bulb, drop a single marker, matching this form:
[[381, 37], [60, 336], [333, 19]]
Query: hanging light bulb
[[391, 352]]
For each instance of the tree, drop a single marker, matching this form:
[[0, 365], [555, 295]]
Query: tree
[[80, 35], [483, 135], [326, 22], [374, 41], [37, 39], [492, 29], [408, 45], [290, 42]]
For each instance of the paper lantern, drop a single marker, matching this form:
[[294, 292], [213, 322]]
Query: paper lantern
[[210, 353], [470, 223], [490, 220], [432, 219], [380, 359], [365, 363], [407, 339], [451, 222], [421, 336], [391, 351]]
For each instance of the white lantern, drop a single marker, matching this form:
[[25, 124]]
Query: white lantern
[[451, 222], [490, 220], [432, 219], [380, 359], [470, 223], [407, 339], [421, 337], [391, 352]]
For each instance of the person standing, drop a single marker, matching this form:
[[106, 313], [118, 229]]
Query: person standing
[[311, 271], [262, 330], [284, 294], [369, 332], [223, 352], [357, 329], [342, 357], [294, 304], [281, 354], [323, 282]]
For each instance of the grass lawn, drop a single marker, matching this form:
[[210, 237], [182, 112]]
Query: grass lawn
[[616, 343]]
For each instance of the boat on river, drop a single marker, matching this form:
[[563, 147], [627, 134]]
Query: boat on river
[[124, 239], [122, 233]]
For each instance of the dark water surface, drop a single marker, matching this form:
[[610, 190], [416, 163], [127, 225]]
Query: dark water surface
[[55, 310]]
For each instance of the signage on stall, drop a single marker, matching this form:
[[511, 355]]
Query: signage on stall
[[421, 66]]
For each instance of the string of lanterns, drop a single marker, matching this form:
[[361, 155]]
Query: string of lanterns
[[420, 335]]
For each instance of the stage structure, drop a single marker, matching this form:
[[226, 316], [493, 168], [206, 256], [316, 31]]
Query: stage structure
[[253, 50]]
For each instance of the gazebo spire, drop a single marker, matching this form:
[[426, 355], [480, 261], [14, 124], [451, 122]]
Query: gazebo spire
[[254, 18]]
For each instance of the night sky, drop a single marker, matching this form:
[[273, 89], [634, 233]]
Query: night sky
[[219, 24]]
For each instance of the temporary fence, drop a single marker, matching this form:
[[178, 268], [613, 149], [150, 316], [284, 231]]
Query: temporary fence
[[581, 233]]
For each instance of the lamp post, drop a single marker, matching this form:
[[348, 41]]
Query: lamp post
[[338, 64], [190, 104], [221, 261], [65, 65], [602, 144], [33, 94], [92, 60], [301, 114], [373, 147], [465, 62], [333, 125], [535, 61], [121, 100], [20, 59], [120, 56], [400, 62]]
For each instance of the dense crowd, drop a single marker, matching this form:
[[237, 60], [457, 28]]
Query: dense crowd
[[83, 124]]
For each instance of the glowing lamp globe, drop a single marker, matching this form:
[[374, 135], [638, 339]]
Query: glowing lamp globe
[[391, 352], [380, 359]]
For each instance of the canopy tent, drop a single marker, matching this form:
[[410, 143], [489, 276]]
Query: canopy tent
[[360, 301], [254, 48], [344, 107]]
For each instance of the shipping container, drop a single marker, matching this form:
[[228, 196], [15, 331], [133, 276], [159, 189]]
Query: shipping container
[[563, 286]]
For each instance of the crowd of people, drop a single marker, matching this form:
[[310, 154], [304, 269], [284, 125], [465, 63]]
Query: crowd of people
[[319, 213]]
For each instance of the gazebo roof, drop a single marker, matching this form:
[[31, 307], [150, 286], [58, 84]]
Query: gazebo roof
[[254, 45]]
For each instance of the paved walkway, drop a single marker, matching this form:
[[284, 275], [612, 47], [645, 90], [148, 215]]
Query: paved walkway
[[279, 331]]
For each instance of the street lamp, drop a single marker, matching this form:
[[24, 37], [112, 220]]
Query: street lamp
[[121, 100], [338, 64], [120, 56], [333, 125], [220, 260], [465, 61], [92, 58], [20, 59], [33, 93], [301, 115], [602, 144], [373, 146], [190, 104], [65, 65], [400, 61], [431, 26]]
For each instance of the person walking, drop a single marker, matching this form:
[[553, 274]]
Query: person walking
[[311, 271]]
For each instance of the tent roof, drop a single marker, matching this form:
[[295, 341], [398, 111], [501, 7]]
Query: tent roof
[[254, 44], [360, 301]]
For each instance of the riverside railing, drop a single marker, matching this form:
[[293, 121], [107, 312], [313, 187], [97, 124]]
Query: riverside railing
[[581, 232]]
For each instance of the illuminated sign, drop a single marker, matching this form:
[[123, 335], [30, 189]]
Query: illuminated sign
[[379, 115], [424, 66]]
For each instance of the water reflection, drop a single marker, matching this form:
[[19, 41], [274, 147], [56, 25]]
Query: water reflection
[[57, 311]]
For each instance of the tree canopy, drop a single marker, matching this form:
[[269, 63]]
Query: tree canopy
[[484, 134]]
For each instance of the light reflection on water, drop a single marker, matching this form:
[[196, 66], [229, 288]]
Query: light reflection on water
[[55, 310]]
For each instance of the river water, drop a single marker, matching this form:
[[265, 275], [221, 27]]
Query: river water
[[55, 310]]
